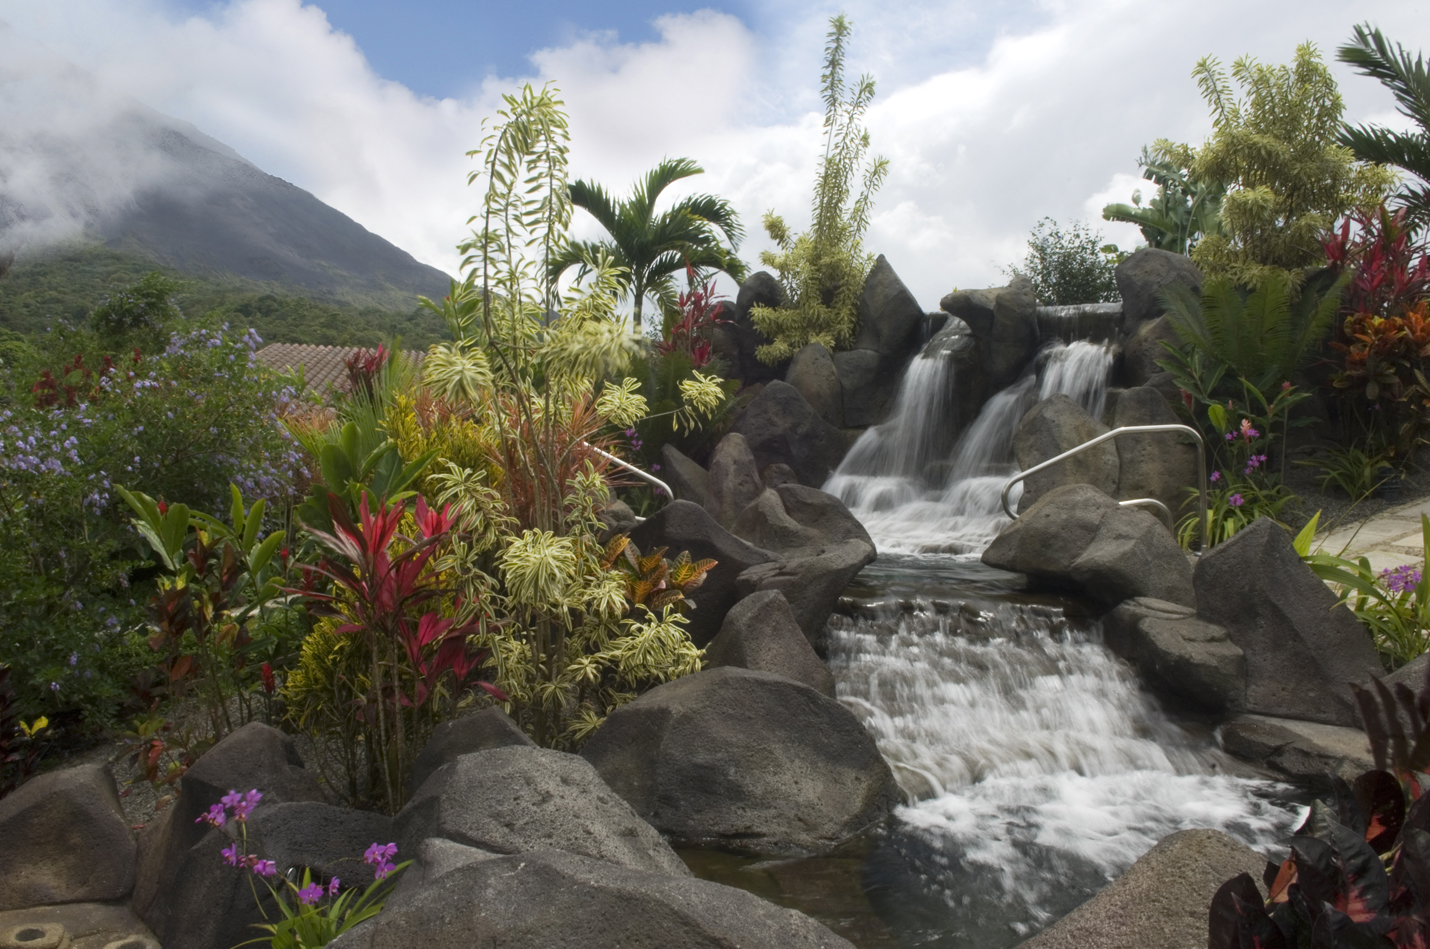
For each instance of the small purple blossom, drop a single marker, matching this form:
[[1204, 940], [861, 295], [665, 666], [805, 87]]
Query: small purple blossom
[[1236, 500], [310, 894], [231, 856], [245, 805], [1216, 476], [333, 886], [380, 857], [215, 817], [265, 868], [1401, 579]]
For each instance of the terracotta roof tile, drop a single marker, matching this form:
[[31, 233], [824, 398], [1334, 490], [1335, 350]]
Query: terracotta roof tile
[[322, 365]]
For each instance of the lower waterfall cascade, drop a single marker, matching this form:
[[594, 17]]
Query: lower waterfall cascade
[[1035, 768]]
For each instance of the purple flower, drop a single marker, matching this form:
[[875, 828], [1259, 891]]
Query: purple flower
[[310, 894], [1402, 579], [1236, 500], [215, 817], [333, 886], [231, 799], [245, 805], [1216, 476], [265, 868], [654, 467], [378, 853], [231, 856]]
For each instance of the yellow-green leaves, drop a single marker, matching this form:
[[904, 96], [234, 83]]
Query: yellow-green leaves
[[540, 569], [703, 397], [457, 372], [622, 404]]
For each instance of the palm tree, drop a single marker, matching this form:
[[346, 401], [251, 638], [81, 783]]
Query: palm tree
[[1409, 81], [653, 246]]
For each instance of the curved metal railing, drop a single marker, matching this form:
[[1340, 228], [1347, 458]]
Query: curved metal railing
[[1134, 502], [643, 475]]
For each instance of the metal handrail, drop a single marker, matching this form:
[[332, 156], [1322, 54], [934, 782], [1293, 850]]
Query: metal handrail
[[643, 475], [1135, 502]]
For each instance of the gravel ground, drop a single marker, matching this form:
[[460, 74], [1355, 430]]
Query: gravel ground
[[1336, 507]]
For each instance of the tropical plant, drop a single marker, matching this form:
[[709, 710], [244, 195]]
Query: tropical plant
[[1185, 207], [19, 747], [1263, 336], [1067, 267], [1390, 271], [145, 307], [1355, 472], [1288, 179], [1369, 53], [1394, 604], [697, 312], [651, 247], [823, 269], [1358, 873]]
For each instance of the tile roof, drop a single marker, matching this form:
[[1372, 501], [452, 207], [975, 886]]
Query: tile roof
[[322, 365]]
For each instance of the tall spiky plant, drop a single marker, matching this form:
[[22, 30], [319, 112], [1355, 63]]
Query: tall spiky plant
[[1409, 80], [652, 247], [823, 269]]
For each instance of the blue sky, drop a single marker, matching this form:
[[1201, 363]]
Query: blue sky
[[993, 114]]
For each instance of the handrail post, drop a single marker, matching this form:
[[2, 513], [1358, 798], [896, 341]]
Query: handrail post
[[1129, 430], [643, 475]]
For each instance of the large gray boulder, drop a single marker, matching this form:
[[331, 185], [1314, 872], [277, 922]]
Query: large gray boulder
[[1005, 322], [867, 385], [811, 579], [516, 800], [1302, 649], [330, 841], [1077, 538], [182, 889], [479, 731], [780, 426], [682, 525], [737, 340], [794, 518], [687, 479], [1308, 753], [890, 319], [812, 372], [973, 307], [734, 479], [1142, 350], [1161, 902], [956, 342], [1143, 275], [1157, 465], [65, 840], [761, 633], [1051, 427], [558, 900], [745, 761], [766, 524], [1178, 654]]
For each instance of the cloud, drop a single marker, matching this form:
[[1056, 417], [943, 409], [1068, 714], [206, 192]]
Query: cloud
[[993, 116]]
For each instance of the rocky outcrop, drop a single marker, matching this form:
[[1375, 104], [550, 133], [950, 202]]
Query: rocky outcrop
[[180, 864], [1142, 350], [1178, 654], [65, 840], [1051, 427], [1159, 465], [812, 580], [81, 925], [1161, 902], [794, 518], [812, 372], [1302, 650], [1306, 752], [761, 633], [682, 525], [479, 731], [890, 319], [737, 339], [1077, 538], [329, 841], [1143, 275], [746, 761], [688, 480], [867, 385], [517, 800], [956, 343], [734, 479], [1005, 322], [780, 427], [558, 900]]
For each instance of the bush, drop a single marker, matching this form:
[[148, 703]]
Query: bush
[[1069, 267]]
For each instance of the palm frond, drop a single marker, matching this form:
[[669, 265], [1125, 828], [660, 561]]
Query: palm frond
[[657, 180], [593, 199], [1408, 80]]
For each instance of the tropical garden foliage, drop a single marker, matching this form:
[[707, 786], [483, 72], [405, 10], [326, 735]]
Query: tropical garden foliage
[[1069, 266], [1370, 53]]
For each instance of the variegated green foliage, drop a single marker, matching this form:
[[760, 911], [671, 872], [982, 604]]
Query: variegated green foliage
[[653, 581]]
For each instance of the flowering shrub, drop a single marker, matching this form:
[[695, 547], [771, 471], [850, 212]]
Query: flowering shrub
[[311, 914], [1394, 604]]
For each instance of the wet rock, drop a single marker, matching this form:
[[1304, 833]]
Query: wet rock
[[1077, 538], [1143, 275], [824, 514], [811, 579], [780, 427], [558, 900], [180, 868], [1305, 752], [1302, 650], [890, 319], [682, 525], [328, 840], [867, 385], [65, 840], [1158, 465], [761, 633], [1177, 654], [746, 761], [968, 385], [734, 479], [1014, 338], [480, 731], [1161, 902], [517, 800], [812, 372], [688, 480], [1051, 427], [1144, 348]]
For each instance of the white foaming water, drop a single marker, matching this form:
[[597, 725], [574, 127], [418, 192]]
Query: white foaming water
[[911, 506], [1038, 770]]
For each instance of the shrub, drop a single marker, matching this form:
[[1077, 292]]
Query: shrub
[[1068, 267]]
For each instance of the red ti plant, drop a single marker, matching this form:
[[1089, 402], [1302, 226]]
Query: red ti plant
[[365, 366], [699, 314], [1388, 276], [385, 594]]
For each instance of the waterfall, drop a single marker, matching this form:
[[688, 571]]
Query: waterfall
[[1036, 769], [886, 477]]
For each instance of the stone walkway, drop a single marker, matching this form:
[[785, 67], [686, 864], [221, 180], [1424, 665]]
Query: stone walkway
[[1388, 539]]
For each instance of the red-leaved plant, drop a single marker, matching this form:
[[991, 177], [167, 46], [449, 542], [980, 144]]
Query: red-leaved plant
[[699, 314], [385, 595]]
